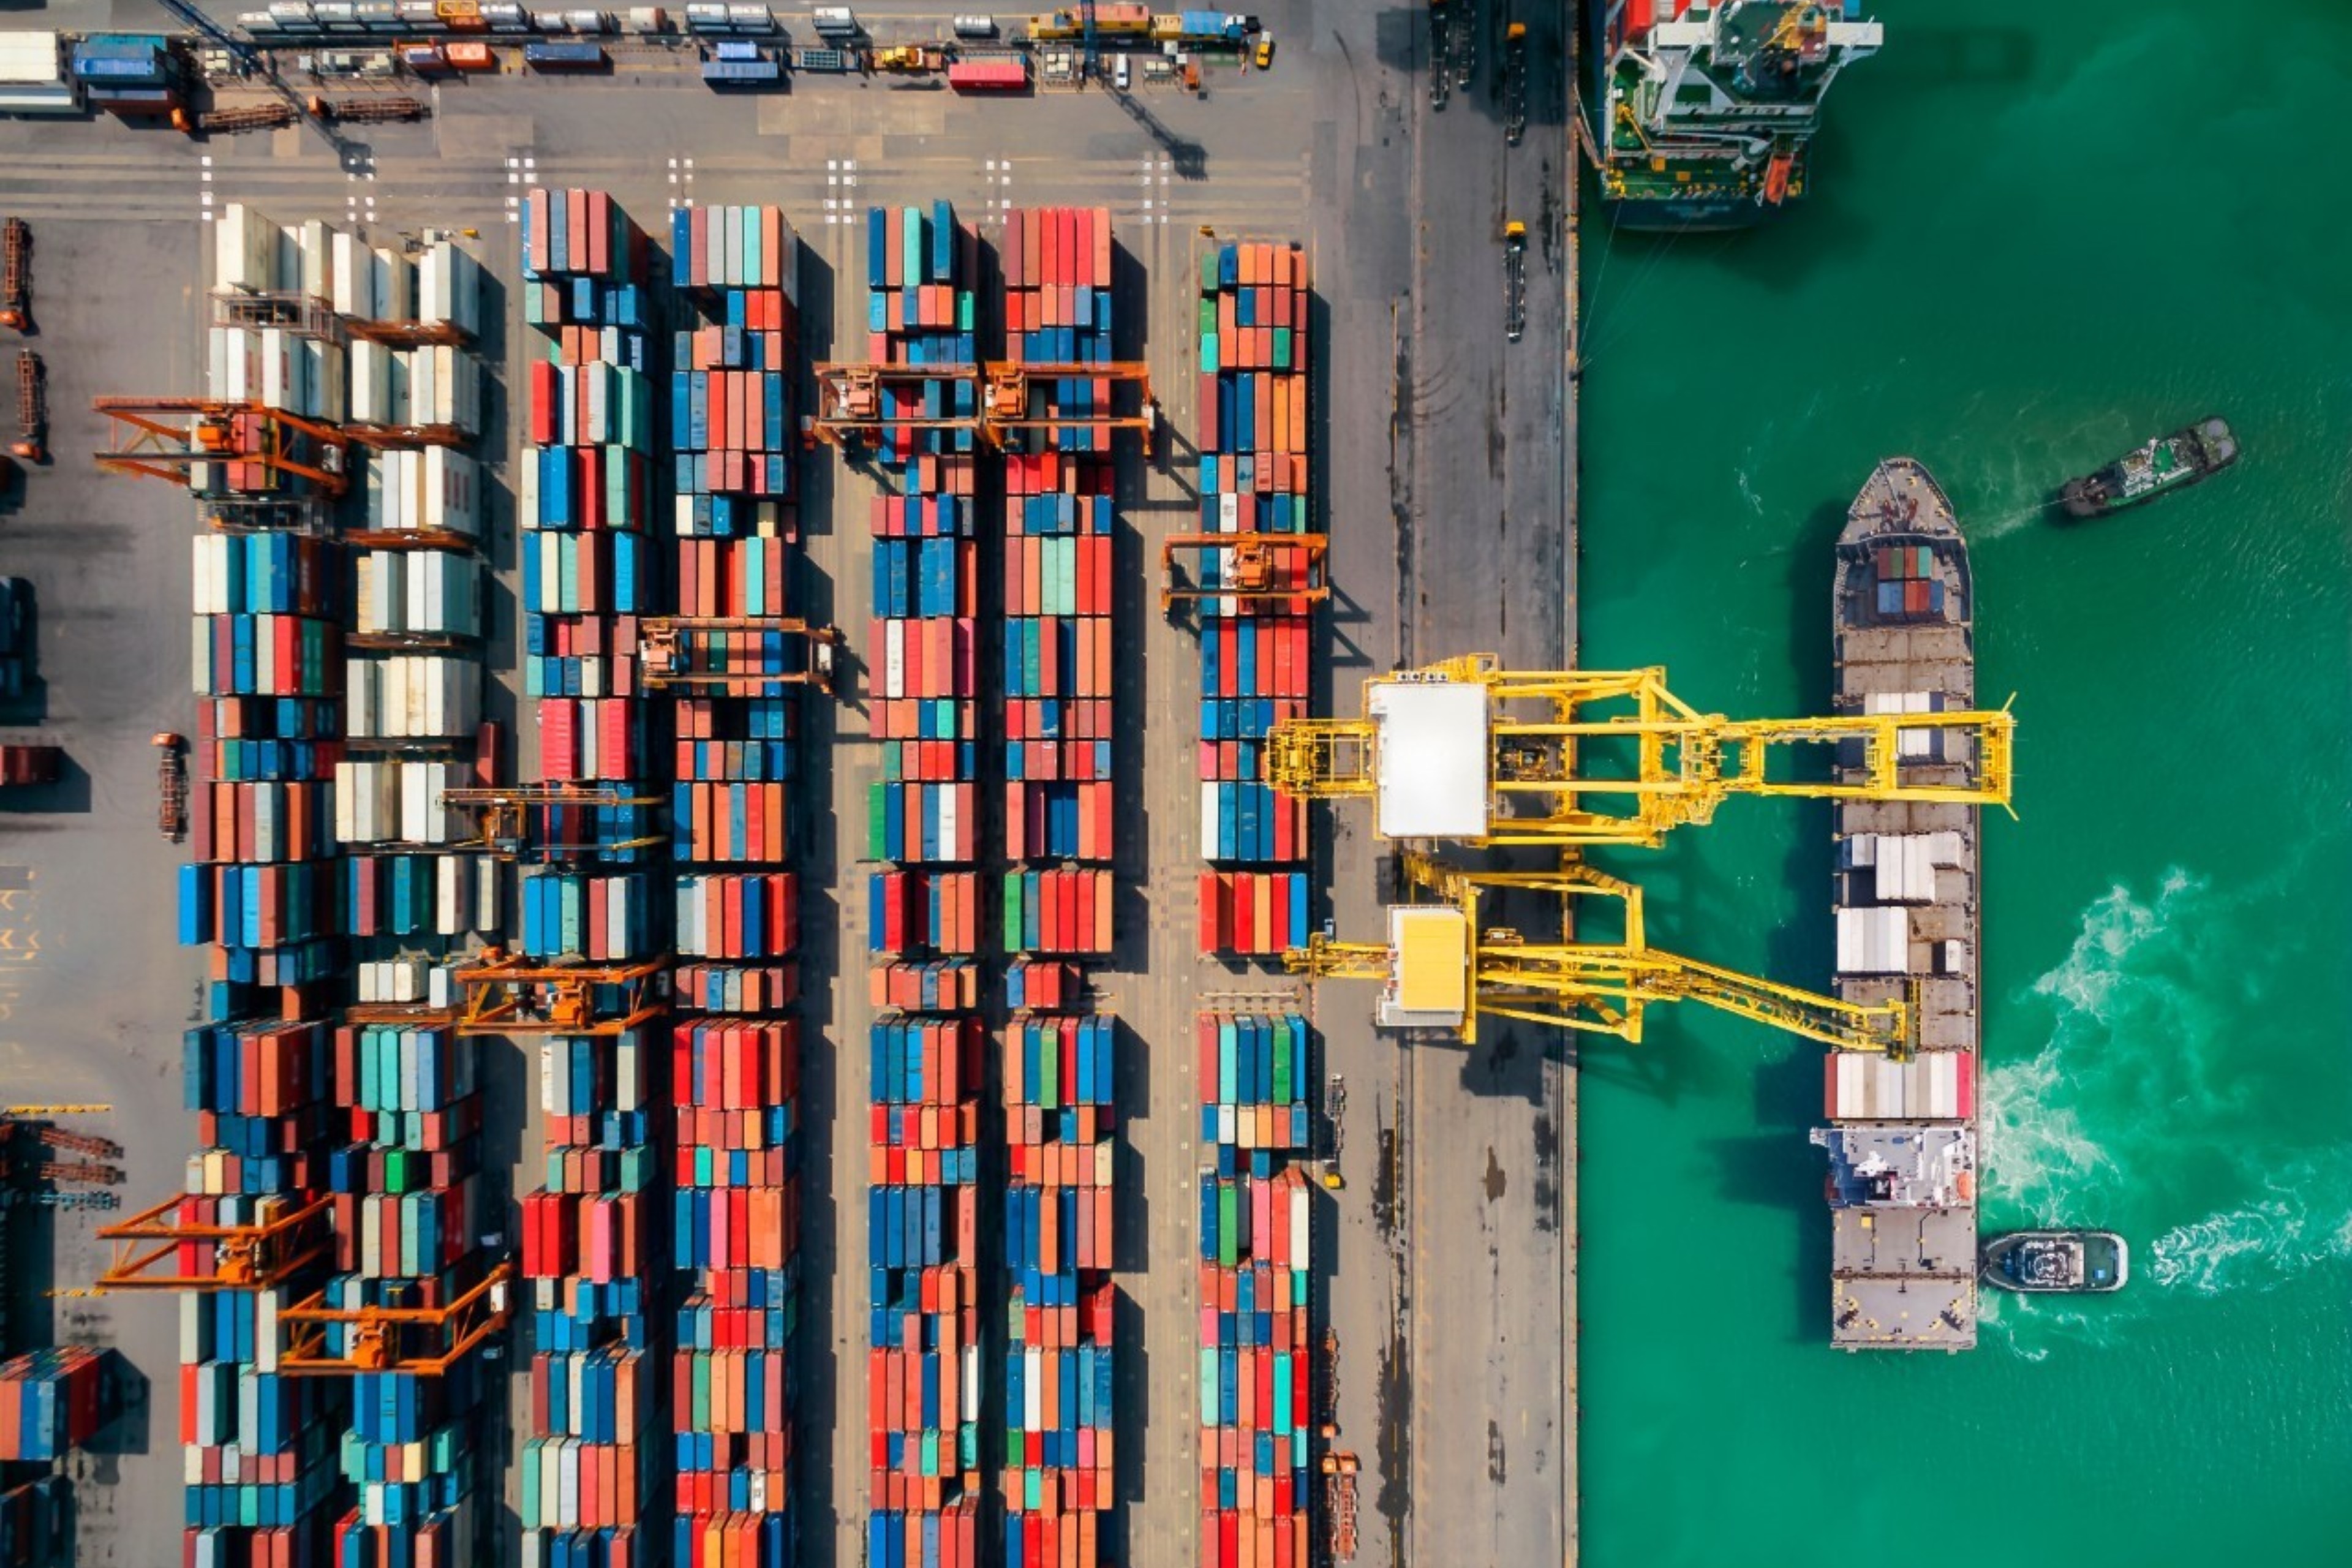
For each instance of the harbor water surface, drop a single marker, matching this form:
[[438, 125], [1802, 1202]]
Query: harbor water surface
[[2038, 237]]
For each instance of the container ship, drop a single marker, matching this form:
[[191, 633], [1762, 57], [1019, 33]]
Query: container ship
[[1901, 1135], [1704, 112]]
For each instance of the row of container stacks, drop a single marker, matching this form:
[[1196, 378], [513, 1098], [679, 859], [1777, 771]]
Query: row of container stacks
[[1059, 1070], [1058, 1075], [924, 1383], [52, 1402], [1256, 1259], [384, 1124], [439, 288], [1256, 655], [734, 435], [594, 1489], [406, 1213], [33, 1522], [1059, 666]]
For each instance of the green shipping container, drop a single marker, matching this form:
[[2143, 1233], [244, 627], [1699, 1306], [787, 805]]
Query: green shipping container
[[1208, 1387], [1282, 348], [1229, 1221], [878, 814]]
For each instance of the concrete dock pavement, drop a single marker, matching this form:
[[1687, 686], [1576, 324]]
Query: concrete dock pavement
[[1446, 483]]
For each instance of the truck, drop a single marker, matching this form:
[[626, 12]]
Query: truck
[[1515, 83], [911, 59], [369, 110], [1515, 280], [16, 273], [16, 612], [32, 408]]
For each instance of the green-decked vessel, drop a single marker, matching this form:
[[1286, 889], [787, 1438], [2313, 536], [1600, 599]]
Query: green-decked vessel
[[1705, 109]]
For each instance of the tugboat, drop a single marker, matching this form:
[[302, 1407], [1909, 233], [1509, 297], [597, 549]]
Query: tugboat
[[2057, 1261], [2167, 463]]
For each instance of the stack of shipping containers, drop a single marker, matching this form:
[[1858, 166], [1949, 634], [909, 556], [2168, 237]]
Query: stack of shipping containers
[[406, 1169], [1055, 1069], [260, 1444], [1256, 1268], [1255, 661], [589, 1469], [1256, 1216], [735, 1047], [51, 1402], [923, 1386]]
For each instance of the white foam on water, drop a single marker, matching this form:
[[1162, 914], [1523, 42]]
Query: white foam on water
[[2132, 1104], [2038, 1147], [2303, 1221]]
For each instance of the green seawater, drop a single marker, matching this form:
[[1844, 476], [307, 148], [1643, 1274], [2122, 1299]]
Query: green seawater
[[2039, 235]]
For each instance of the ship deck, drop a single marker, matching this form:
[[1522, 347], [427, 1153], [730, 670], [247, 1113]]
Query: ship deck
[[1903, 1274]]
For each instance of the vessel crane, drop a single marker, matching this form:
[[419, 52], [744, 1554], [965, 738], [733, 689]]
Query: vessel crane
[[1466, 750], [1443, 969]]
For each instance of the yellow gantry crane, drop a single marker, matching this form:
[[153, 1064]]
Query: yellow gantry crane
[[1442, 970], [1469, 751]]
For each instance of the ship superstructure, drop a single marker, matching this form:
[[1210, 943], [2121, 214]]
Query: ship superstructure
[[1705, 109], [1902, 1138]]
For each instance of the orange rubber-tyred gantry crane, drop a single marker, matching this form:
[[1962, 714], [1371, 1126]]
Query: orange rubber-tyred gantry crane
[[507, 993], [167, 438], [201, 1256], [1281, 569], [851, 405]]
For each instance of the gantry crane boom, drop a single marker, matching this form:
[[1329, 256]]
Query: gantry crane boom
[[1444, 970], [421, 1340], [166, 437], [1469, 751], [1250, 568], [208, 1257], [507, 993], [693, 651], [854, 403], [527, 821]]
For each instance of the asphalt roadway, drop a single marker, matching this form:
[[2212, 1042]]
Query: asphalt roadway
[[1447, 482]]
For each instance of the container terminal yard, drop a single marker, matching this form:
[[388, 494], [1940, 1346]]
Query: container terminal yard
[[746, 963]]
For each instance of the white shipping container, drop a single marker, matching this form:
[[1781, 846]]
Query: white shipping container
[[314, 246], [371, 383], [449, 288], [396, 287], [323, 379], [351, 284], [1209, 820], [244, 250], [894, 659], [452, 490]]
